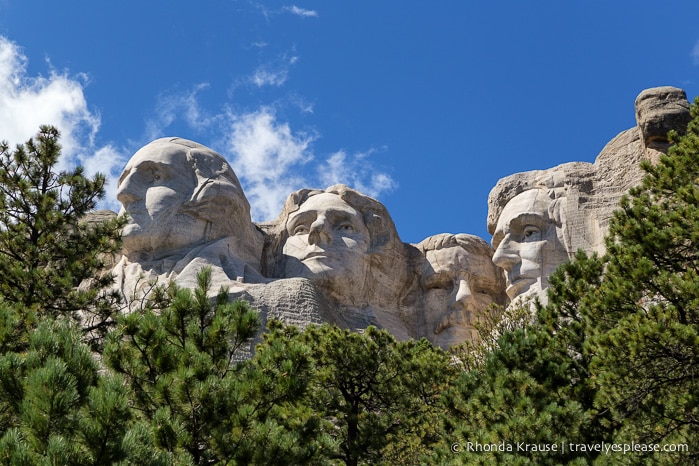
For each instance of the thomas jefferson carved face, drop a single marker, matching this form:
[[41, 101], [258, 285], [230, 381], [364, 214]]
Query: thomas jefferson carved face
[[328, 244], [152, 189], [457, 285], [528, 244]]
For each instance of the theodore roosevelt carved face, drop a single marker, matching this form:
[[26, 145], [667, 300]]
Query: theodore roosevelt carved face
[[458, 281], [528, 243]]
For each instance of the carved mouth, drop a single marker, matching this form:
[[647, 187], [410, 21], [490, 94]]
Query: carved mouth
[[452, 319], [315, 255], [518, 285]]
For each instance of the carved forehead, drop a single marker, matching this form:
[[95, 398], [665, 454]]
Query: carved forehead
[[164, 154], [455, 262], [455, 258], [325, 202], [529, 207], [534, 201]]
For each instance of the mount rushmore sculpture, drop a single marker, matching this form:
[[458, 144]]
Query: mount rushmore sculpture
[[334, 255]]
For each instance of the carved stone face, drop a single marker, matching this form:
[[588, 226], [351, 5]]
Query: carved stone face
[[328, 244], [154, 185], [457, 286], [528, 244]]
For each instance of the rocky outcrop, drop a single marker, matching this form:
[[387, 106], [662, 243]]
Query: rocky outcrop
[[585, 194]]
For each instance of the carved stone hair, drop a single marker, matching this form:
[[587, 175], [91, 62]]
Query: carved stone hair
[[470, 243], [217, 197]]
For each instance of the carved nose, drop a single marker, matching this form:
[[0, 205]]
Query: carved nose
[[464, 295], [318, 232], [506, 256], [127, 191]]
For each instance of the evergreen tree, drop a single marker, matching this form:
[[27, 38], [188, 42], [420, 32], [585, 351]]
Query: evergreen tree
[[45, 251], [645, 313], [379, 398], [613, 356], [195, 401], [530, 388], [54, 407]]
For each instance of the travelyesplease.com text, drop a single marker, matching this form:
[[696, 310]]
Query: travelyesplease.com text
[[563, 447]]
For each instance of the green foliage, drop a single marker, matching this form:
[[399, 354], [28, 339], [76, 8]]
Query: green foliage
[[195, 400], [45, 251], [613, 356], [379, 399], [645, 313], [54, 408]]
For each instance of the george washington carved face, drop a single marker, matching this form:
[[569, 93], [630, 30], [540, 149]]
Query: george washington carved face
[[153, 187], [178, 194]]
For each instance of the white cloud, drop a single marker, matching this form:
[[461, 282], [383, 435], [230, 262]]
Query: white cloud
[[28, 102], [272, 162], [357, 172], [273, 74], [183, 105], [301, 12], [695, 53], [268, 158], [266, 77]]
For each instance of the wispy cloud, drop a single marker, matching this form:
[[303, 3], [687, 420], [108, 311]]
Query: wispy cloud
[[265, 77], [356, 171], [26, 102], [695, 53], [301, 12], [180, 105], [274, 73], [270, 157]]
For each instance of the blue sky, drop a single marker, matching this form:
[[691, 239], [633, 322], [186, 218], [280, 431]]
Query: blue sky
[[424, 105]]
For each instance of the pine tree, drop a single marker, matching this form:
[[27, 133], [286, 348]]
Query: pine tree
[[45, 250], [613, 356], [196, 401], [379, 398], [645, 314], [54, 406], [530, 389]]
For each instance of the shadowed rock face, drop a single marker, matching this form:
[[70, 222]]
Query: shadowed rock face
[[186, 210], [178, 194], [458, 281], [335, 256]]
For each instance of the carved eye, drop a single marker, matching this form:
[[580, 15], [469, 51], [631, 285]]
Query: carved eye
[[442, 286], [345, 227], [300, 230], [531, 233]]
